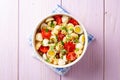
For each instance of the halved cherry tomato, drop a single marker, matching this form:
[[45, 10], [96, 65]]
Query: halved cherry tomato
[[60, 36], [46, 33], [71, 56], [69, 46], [58, 19], [44, 49], [73, 21]]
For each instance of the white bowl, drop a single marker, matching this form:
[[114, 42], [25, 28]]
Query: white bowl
[[72, 63]]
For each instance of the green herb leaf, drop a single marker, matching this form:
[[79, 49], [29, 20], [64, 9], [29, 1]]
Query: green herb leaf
[[47, 60], [52, 24], [46, 30], [71, 29], [77, 49], [64, 28], [62, 42]]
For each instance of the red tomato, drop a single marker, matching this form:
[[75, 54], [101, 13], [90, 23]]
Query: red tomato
[[44, 49], [46, 33], [60, 36], [71, 56], [58, 19], [69, 46], [73, 21]]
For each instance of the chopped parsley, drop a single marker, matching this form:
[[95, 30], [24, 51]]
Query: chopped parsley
[[47, 60], [46, 30], [62, 42], [52, 24], [64, 28], [77, 49]]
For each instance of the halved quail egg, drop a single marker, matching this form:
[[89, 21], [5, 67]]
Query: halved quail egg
[[51, 53], [82, 39], [78, 29]]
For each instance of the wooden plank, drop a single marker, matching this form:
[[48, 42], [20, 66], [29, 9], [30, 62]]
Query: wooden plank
[[112, 40], [9, 39], [90, 12], [31, 12]]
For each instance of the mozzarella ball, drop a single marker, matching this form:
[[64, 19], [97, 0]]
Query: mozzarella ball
[[65, 19], [44, 56], [79, 46], [45, 42], [64, 58], [61, 62]]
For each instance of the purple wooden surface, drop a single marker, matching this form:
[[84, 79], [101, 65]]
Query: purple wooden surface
[[100, 17], [8, 40], [112, 40], [31, 12], [91, 14]]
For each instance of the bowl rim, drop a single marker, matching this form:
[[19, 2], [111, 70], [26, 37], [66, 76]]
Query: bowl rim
[[67, 65]]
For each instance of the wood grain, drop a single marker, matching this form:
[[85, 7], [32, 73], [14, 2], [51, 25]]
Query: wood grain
[[8, 39], [31, 13], [112, 40], [90, 12]]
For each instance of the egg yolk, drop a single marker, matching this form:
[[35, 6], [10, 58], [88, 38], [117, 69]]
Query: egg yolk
[[77, 29], [51, 53]]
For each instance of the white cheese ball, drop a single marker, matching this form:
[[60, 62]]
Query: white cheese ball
[[61, 62], [39, 37], [64, 58], [65, 19], [45, 42], [44, 56], [79, 46]]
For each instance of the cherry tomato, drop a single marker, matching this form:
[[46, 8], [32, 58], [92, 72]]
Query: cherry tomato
[[73, 21], [58, 19], [46, 33], [69, 46], [60, 36], [44, 49], [71, 56]]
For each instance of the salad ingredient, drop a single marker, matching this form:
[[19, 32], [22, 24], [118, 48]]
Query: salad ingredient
[[46, 33], [49, 19], [82, 39], [44, 49], [39, 37], [45, 42], [38, 44], [58, 19], [71, 56], [73, 21], [78, 29], [69, 46], [61, 62]]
